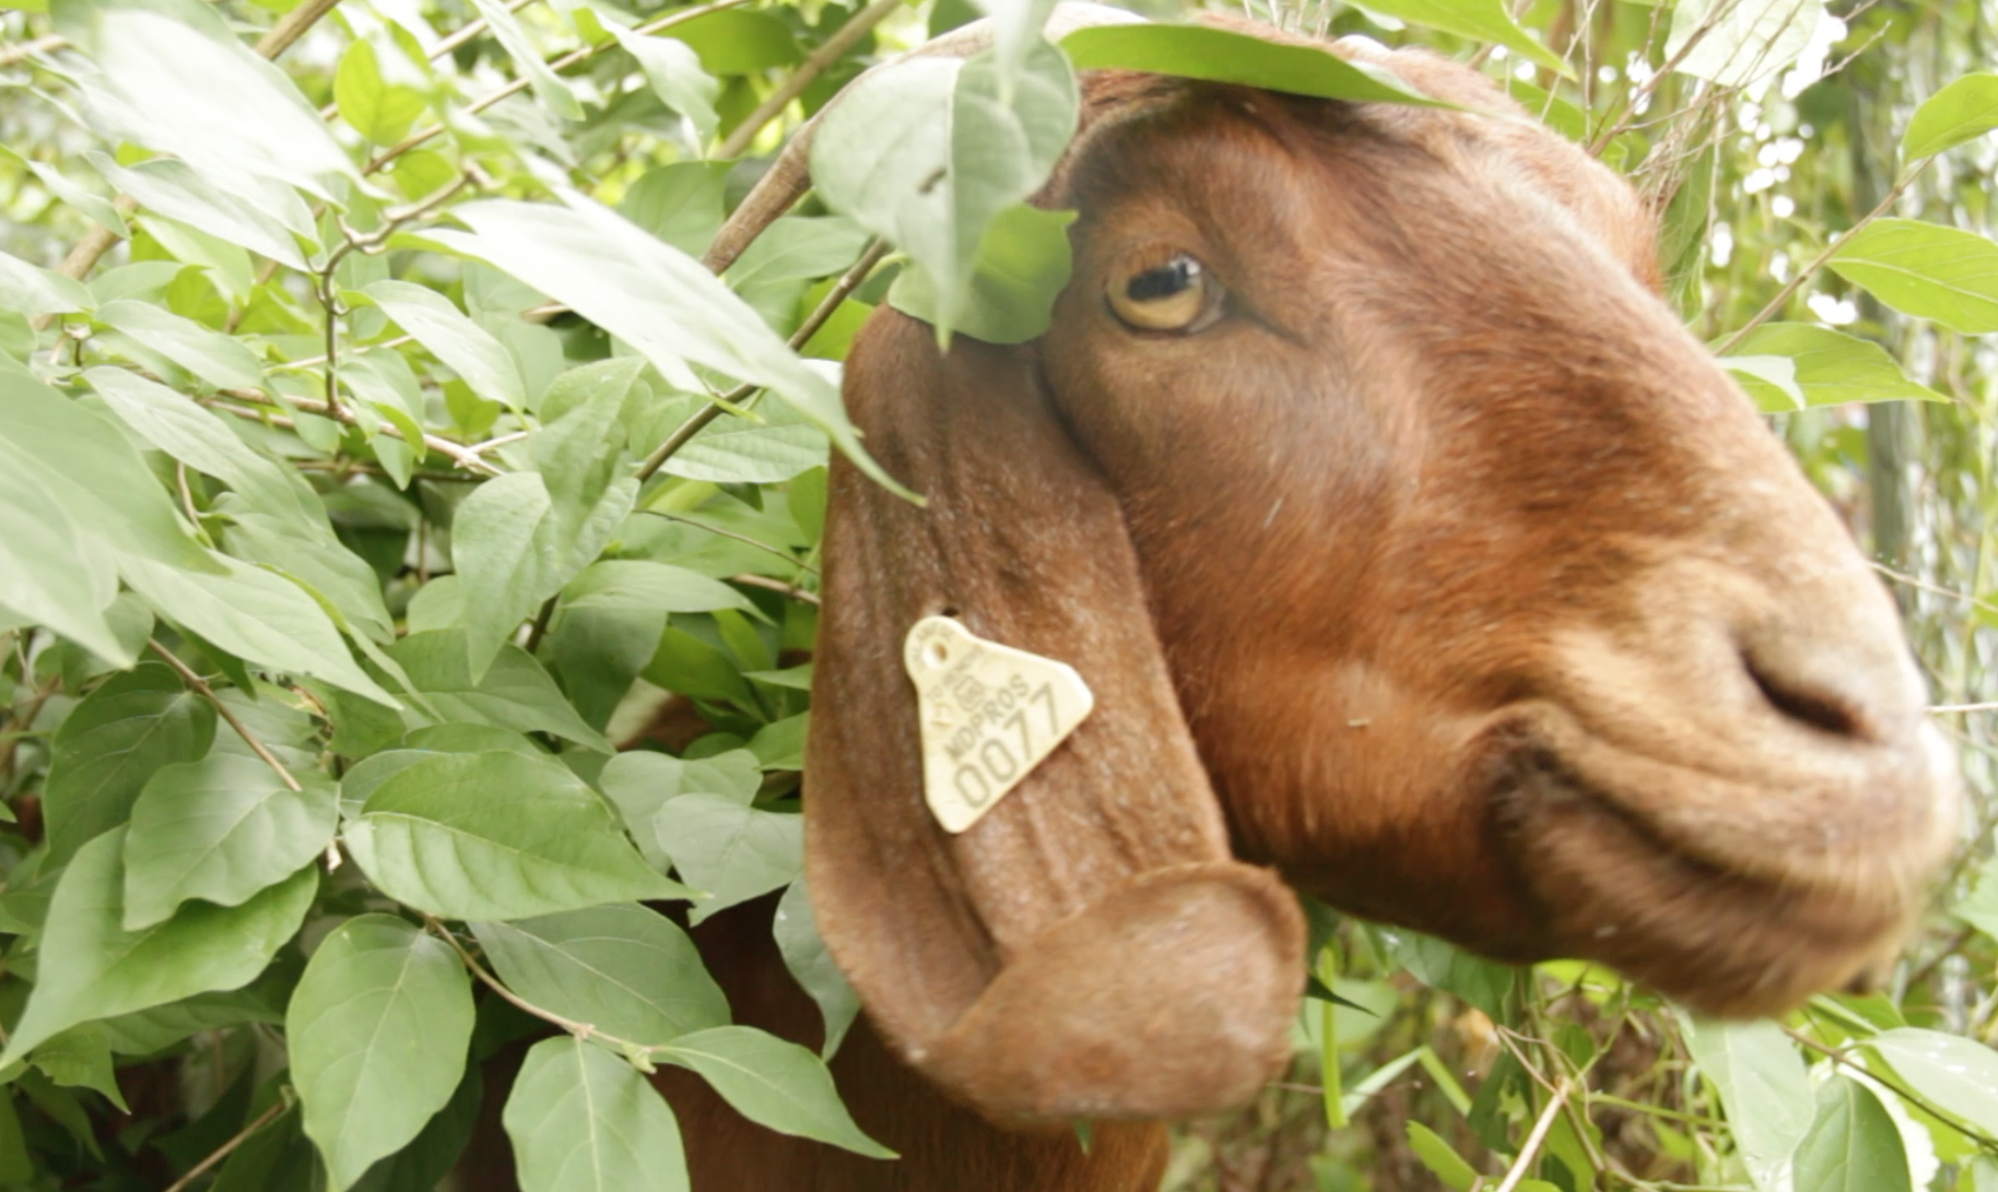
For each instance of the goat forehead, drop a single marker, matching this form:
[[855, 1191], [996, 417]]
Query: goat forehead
[[1255, 176]]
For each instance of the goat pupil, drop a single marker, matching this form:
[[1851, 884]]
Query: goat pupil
[[1163, 282]]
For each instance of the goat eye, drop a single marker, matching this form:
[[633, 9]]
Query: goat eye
[[1170, 297]]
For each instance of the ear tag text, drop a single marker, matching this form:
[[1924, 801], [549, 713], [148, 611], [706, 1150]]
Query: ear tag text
[[990, 714]]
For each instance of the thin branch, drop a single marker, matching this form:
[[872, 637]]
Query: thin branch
[[11, 55], [1524, 1162], [1783, 296], [202, 689], [459, 454], [775, 585], [292, 26], [835, 48], [841, 290], [1914, 581], [1950, 709], [539, 629], [226, 1149]]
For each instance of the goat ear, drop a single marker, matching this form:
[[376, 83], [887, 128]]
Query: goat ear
[[1088, 949]]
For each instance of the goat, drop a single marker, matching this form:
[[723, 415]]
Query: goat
[[1418, 559]]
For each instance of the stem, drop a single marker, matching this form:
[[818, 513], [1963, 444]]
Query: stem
[[223, 1152], [1517, 1171], [202, 689], [539, 629], [811, 68], [1784, 295], [457, 453], [775, 585]]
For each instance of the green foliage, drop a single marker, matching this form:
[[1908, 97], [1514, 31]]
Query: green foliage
[[360, 497]]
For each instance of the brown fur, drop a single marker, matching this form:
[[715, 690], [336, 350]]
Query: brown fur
[[1446, 575]]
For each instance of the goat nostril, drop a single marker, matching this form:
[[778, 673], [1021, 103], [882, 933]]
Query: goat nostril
[[1814, 709]]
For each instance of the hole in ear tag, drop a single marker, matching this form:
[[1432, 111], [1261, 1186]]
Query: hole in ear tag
[[990, 714]]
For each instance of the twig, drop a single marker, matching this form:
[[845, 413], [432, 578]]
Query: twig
[[226, 1149], [292, 26], [1524, 1162], [202, 689], [459, 454], [841, 290], [1942, 709], [836, 46], [776, 585], [28, 49], [1783, 296], [539, 629]]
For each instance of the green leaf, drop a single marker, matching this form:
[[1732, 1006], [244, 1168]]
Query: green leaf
[[929, 153], [1852, 1146], [1827, 368], [93, 206], [624, 969], [379, 110], [1479, 20], [797, 248], [1762, 1084], [660, 301], [674, 71], [1960, 112], [81, 1057], [262, 618], [172, 189], [737, 41], [775, 1084], [31, 290], [780, 745], [497, 836], [1445, 1164], [92, 471], [729, 851], [548, 87], [775, 446], [681, 204], [640, 783], [184, 83], [1223, 56], [583, 1120], [1958, 1074], [91, 967], [51, 573], [220, 360], [144, 1032], [1022, 266], [110, 745], [515, 693], [378, 1031], [796, 931], [279, 520], [1744, 41], [221, 829], [471, 352], [1441, 965], [1925, 270], [624, 585]]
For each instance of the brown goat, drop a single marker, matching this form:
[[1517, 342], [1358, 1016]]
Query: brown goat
[[1412, 550]]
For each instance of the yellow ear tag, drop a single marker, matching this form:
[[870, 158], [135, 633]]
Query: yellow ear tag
[[990, 714]]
